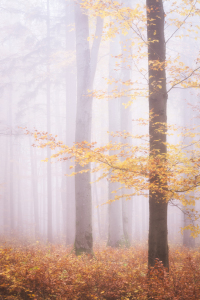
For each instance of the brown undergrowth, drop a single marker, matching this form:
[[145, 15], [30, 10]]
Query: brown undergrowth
[[54, 272]]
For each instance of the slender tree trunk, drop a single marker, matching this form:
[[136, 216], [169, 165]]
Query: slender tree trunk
[[11, 164], [34, 183], [98, 209], [49, 173], [126, 124], [58, 206], [19, 206], [158, 241], [69, 196], [188, 240], [6, 195], [58, 183], [86, 67], [115, 233]]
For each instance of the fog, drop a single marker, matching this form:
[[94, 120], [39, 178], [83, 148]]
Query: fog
[[47, 47]]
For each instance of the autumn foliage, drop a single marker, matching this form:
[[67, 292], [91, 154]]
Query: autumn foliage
[[131, 165], [54, 272]]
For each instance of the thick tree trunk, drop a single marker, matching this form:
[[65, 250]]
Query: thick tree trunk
[[158, 241], [86, 67], [83, 239]]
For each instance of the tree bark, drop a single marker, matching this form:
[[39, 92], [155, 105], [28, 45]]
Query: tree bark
[[86, 66], [158, 240]]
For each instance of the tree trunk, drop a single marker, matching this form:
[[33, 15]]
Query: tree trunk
[[158, 241], [19, 200], [6, 189], [126, 124], [96, 200], [34, 183], [86, 67], [49, 178], [11, 165], [188, 240], [69, 195], [115, 233]]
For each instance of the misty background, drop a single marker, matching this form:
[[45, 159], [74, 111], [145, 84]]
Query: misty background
[[38, 90]]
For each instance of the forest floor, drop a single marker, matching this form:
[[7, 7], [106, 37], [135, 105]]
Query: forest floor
[[54, 272]]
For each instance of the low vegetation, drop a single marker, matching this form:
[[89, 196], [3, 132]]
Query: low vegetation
[[54, 272]]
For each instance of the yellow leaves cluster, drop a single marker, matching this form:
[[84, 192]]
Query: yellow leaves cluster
[[113, 10], [194, 230], [174, 175], [156, 64]]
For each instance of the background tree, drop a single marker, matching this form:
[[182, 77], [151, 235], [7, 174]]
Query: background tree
[[126, 124], [86, 61], [115, 208]]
